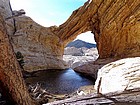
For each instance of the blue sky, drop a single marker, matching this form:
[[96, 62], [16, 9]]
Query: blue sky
[[50, 12]]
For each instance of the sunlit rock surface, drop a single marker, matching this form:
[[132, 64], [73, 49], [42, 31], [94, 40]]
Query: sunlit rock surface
[[115, 25], [40, 47], [120, 75], [75, 57]]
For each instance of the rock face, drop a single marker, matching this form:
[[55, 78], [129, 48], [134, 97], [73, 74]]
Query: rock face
[[120, 75], [114, 23], [39, 45], [6, 11]]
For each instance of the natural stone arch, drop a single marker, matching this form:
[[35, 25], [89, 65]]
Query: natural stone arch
[[79, 22], [115, 24]]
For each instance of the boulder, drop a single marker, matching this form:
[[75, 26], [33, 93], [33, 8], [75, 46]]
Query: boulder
[[120, 75], [91, 68]]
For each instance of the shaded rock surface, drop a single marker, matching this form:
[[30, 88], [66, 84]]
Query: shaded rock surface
[[91, 68], [6, 11]]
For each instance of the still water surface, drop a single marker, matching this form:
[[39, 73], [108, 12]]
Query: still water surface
[[60, 81]]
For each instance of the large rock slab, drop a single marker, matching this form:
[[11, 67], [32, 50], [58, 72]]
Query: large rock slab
[[120, 75]]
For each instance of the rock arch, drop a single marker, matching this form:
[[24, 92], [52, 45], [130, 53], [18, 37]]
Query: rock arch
[[115, 24]]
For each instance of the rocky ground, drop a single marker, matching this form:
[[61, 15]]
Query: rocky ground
[[43, 96], [75, 57], [129, 97], [117, 83]]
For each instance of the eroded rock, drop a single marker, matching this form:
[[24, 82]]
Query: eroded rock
[[40, 47], [114, 23], [129, 97], [120, 75], [91, 68]]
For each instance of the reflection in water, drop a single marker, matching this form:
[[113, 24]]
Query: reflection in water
[[60, 81]]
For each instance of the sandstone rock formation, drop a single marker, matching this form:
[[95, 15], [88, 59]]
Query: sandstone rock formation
[[115, 24], [39, 45], [120, 75]]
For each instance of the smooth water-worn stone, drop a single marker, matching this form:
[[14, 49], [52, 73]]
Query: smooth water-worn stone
[[120, 75]]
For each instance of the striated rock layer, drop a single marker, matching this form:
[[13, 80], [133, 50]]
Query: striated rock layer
[[120, 75], [115, 24], [39, 45]]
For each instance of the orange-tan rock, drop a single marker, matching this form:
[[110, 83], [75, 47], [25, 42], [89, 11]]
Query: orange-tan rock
[[115, 24]]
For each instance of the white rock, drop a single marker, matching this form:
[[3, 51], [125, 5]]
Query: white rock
[[73, 51], [119, 76], [75, 57]]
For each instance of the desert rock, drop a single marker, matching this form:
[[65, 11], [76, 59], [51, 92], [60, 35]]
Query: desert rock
[[39, 45], [120, 75], [115, 25]]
